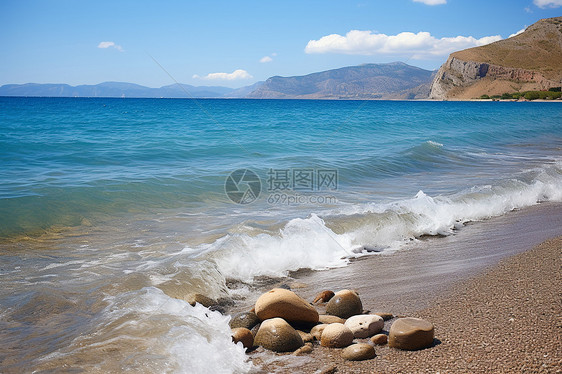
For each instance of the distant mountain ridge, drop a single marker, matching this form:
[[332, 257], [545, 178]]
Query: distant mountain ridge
[[395, 80], [529, 61], [113, 89]]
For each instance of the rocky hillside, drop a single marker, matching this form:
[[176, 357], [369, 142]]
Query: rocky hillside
[[529, 61], [370, 81]]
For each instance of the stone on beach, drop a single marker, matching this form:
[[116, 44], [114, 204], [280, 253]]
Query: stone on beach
[[194, 298], [324, 296], [285, 304], [277, 335], [305, 349], [336, 335], [379, 339], [365, 325], [358, 352], [317, 330], [385, 316], [326, 318], [344, 304], [411, 334], [244, 319], [241, 334]]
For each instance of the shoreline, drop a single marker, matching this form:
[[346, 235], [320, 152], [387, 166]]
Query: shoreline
[[465, 297]]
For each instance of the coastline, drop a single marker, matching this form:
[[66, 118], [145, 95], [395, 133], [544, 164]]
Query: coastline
[[493, 310]]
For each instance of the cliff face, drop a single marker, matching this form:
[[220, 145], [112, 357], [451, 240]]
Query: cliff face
[[529, 61]]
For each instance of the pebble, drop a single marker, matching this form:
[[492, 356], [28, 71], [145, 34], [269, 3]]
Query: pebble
[[365, 325], [379, 339], [336, 335], [344, 304], [277, 335], [358, 352], [411, 334], [241, 334], [244, 319], [285, 304]]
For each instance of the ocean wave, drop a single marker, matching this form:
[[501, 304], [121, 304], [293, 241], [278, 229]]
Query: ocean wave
[[329, 241], [148, 331]]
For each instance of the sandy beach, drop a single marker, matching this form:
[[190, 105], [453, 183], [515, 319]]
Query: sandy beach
[[496, 312]]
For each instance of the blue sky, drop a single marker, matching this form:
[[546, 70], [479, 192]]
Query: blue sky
[[237, 43]]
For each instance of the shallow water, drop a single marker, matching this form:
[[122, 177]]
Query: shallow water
[[110, 208]]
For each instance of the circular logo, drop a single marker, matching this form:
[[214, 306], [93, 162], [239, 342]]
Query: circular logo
[[242, 186]]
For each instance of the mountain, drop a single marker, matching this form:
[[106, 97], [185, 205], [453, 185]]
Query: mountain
[[113, 89], [244, 91], [394, 80], [529, 61]]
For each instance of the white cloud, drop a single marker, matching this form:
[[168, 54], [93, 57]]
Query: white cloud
[[236, 74], [110, 44], [431, 2], [265, 59], [547, 3], [518, 32], [417, 46]]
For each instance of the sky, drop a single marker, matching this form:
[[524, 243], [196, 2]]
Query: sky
[[237, 43]]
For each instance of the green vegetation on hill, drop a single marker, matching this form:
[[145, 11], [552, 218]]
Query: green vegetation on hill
[[552, 94]]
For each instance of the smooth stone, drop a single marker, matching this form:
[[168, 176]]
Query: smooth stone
[[336, 335], [194, 298], [244, 319], [306, 337], [358, 352], [326, 318], [317, 330], [241, 334], [344, 304], [287, 305], [305, 349], [324, 296], [411, 334], [365, 325], [379, 339], [385, 316], [277, 335]]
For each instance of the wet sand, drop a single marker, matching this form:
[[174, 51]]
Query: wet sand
[[493, 292]]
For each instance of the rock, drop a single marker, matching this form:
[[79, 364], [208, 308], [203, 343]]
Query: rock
[[306, 337], [241, 334], [325, 318], [287, 305], [411, 334], [277, 335], [336, 335], [358, 352], [317, 330], [324, 296], [255, 329], [365, 325], [379, 339], [194, 298], [344, 304], [385, 316], [244, 319], [305, 349]]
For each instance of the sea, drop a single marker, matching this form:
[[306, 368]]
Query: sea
[[113, 211]]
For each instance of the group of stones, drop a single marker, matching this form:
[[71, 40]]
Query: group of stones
[[282, 321]]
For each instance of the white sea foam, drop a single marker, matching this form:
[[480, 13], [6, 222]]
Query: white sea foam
[[156, 333], [319, 243]]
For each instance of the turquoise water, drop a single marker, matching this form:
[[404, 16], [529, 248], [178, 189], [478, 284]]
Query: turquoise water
[[110, 208]]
